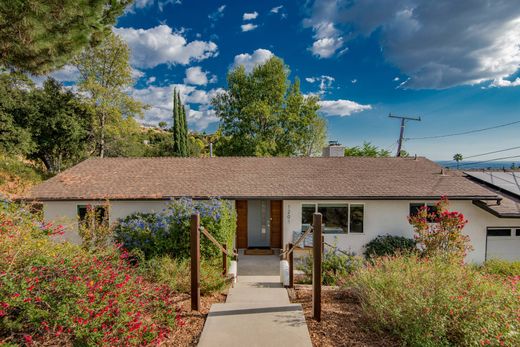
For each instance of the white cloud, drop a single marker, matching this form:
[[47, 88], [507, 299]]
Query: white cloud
[[327, 39], [160, 45], [354, 81], [248, 27], [396, 79], [160, 99], [341, 107], [325, 82], [250, 15], [68, 73], [438, 44], [142, 4], [137, 74], [151, 80], [276, 9], [249, 61], [500, 82], [195, 75], [219, 13]]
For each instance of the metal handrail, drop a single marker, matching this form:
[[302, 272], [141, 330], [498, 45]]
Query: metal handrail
[[212, 239], [300, 240]]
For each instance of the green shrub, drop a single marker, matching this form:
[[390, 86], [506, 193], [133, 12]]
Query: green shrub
[[168, 232], [389, 245], [335, 266], [176, 274], [433, 302], [61, 294], [501, 267]]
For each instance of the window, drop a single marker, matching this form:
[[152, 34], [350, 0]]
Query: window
[[100, 215], [337, 218], [499, 232], [356, 218], [517, 232], [415, 208]]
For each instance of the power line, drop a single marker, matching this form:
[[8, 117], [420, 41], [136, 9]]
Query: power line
[[483, 161], [493, 152], [462, 133]]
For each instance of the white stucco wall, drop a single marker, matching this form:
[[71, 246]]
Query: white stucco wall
[[65, 212], [389, 217], [380, 217]]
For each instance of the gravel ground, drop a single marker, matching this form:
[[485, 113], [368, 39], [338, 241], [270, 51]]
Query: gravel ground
[[189, 333], [342, 322]]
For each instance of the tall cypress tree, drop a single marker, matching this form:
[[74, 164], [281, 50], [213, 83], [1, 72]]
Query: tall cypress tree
[[176, 126], [185, 131]]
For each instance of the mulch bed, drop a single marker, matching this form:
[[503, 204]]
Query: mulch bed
[[342, 322], [189, 333]]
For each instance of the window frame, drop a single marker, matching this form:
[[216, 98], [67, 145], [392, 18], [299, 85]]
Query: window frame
[[106, 212], [325, 202], [423, 203]]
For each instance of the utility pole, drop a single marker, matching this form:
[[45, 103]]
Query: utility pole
[[401, 134]]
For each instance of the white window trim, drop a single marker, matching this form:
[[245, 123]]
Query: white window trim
[[348, 203]]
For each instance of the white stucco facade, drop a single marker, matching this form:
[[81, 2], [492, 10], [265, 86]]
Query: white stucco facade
[[380, 217]]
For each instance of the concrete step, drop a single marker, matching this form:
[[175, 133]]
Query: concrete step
[[241, 324], [250, 293]]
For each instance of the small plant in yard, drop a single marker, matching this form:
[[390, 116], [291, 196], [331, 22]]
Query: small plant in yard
[[94, 229], [61, 294], [389, 245], [443, 236], [434, 302], [168, 232], [501, 267], [335, 266]]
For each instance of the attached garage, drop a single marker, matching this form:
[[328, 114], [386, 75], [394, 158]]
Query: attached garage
[[503, 243]]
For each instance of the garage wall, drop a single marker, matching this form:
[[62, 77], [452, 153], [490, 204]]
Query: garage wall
[[389, 217]]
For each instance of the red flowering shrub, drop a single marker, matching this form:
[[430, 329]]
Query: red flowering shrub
[[439, 232], [432, 302], [58, 293]]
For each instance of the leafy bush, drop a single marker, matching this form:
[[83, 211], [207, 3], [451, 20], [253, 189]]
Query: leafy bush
[[444, 236], [176, 274], [335, 266], [168, 232], [501, 267], [389, 245], [433, 302], [61, 294]]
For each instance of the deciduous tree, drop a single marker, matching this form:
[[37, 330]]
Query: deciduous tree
[[105, 75], [367, 150], [263, 114]]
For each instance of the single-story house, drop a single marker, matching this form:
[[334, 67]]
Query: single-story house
[[360, 198]]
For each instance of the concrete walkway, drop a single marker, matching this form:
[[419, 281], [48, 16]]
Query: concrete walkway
[[257, 311]]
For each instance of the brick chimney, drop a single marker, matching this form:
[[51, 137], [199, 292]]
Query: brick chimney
[[334, 149]]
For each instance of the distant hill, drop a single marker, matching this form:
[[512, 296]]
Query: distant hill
[[493, 165], [17, 176]]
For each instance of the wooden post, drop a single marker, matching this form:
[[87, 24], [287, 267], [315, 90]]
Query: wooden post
[[224, 260], [316, 268], [195, 262], [290, 259]]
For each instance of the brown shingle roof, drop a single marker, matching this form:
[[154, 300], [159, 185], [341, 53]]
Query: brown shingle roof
[[249, 177]]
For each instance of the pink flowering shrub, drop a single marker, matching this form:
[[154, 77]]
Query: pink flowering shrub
[[57, 293], [439, 232], [432, 302]]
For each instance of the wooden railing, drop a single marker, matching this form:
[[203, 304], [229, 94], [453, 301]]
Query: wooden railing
[[195, 231], [317, 254]]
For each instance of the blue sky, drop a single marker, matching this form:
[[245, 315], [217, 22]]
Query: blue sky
[[453, 63]]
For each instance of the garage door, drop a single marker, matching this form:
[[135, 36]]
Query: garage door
[[503, 243]]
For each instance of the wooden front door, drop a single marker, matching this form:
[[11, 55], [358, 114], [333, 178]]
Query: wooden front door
[[241, 207], [276, 223]]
